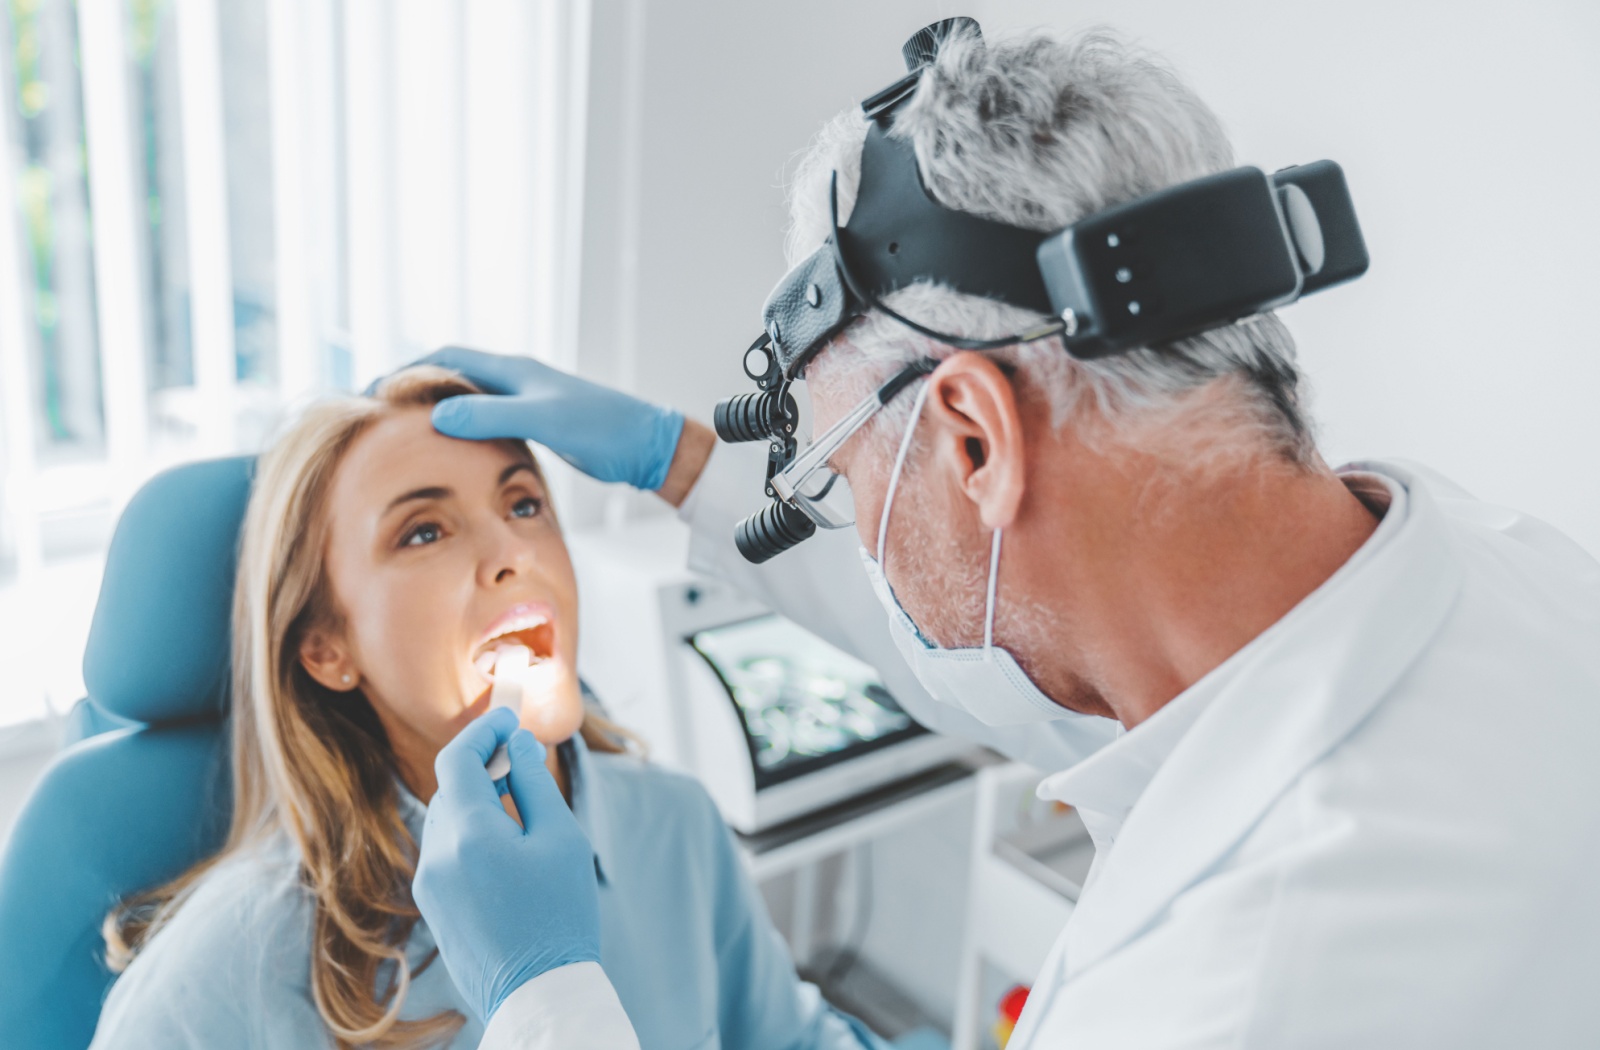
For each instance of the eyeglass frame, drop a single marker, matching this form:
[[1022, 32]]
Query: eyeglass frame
[[786, 483]]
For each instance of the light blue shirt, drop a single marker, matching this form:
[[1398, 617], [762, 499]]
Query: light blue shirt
[[685, 939]]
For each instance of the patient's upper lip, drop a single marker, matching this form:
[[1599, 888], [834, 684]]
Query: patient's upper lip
[[519, 617]]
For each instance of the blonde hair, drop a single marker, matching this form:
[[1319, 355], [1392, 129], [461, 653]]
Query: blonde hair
[[312, 762]]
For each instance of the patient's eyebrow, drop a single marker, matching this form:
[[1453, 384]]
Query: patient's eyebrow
[[440, 492], [511, 471], [432, 492]]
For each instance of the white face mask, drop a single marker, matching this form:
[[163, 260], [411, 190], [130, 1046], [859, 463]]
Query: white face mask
[[987, 683]]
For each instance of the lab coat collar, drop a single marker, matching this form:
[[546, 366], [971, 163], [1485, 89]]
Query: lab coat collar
[[1288, 699], [1105, 786]]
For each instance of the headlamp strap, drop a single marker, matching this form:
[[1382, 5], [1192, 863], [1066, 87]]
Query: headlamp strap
[[899, 234], [880, 107], [919, 52]]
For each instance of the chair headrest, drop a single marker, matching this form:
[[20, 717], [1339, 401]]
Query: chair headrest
[[158, 644]]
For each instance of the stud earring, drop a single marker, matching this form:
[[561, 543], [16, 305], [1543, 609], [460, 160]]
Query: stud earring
[[345, 679]]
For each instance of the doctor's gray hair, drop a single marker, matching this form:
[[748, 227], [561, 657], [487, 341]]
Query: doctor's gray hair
[[1039, 132]]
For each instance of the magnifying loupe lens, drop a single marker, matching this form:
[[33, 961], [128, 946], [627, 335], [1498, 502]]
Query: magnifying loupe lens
[[769, 532], [827, 500]]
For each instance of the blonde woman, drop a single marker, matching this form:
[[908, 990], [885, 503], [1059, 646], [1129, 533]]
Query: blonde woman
[[380, 562]]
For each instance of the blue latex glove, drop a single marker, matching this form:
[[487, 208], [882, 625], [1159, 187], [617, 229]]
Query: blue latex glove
[[505, 904], [606, 434]]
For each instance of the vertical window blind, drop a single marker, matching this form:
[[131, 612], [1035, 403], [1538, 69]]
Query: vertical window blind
[[211, 211]]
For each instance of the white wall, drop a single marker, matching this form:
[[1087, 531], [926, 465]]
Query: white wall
[[1470, 133], [24, 752]]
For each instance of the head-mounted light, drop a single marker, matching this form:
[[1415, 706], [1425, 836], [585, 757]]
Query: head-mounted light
[[1151, 270]]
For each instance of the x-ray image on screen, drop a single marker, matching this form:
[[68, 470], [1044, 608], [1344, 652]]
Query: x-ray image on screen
[[801, 699]]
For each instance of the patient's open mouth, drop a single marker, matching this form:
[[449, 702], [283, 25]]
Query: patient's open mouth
[[525, 625]]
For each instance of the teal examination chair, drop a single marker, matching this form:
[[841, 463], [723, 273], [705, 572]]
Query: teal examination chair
[[145, 791]]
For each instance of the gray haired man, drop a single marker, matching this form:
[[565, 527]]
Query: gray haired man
[[1332, 731]]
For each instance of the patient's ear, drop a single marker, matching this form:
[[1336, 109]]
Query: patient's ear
[[326, 658]]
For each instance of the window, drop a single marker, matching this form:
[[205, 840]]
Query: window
[[210, 211]]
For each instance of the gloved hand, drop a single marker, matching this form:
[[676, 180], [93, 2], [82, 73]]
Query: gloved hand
[[606, 434], [505, 904]]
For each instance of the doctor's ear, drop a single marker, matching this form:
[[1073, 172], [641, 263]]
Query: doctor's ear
[[979, 433], [326, 658]]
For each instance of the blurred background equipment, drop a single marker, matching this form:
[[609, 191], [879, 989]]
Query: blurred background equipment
[[850, 816], [1028, 864], [1011, 1005], [777, 723]]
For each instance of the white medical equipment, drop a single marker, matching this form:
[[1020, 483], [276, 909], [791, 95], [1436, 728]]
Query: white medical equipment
[[1029, 861], [510, 668], [775, 722]]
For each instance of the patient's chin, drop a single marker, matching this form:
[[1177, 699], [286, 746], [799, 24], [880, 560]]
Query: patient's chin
[[553, 713]]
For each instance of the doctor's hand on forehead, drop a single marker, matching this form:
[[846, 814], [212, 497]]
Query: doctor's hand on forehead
[[505, 903], [605, 433]]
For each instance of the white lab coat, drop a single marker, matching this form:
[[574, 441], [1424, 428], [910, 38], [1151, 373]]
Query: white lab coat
[[1381, 830]]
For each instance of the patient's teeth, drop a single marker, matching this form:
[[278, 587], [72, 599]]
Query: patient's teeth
[[525, 623]]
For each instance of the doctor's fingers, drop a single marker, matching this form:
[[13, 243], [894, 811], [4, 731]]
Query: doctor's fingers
[[567, 424], [539, 801], [460, 764], [456, 836], [495, 373]]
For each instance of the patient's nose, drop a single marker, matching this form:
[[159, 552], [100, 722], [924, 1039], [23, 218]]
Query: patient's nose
[[506, 555]]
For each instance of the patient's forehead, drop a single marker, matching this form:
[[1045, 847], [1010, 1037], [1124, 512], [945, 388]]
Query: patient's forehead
[[402, 452]]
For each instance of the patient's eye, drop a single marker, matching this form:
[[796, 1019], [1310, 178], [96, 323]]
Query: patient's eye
[[421, 534], [527, 507]]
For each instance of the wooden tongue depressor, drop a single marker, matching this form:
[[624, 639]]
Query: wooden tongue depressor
[[510, 667]]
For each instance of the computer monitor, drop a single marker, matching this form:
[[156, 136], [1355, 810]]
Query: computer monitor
[[803, 703]]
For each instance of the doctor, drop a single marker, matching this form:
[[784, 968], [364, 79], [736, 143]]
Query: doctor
[[1334, 732]]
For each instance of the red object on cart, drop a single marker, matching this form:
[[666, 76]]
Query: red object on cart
[[1011, 1005]]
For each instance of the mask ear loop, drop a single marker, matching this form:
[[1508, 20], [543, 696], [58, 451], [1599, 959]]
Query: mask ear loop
[[994, 583], [894, 476]]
